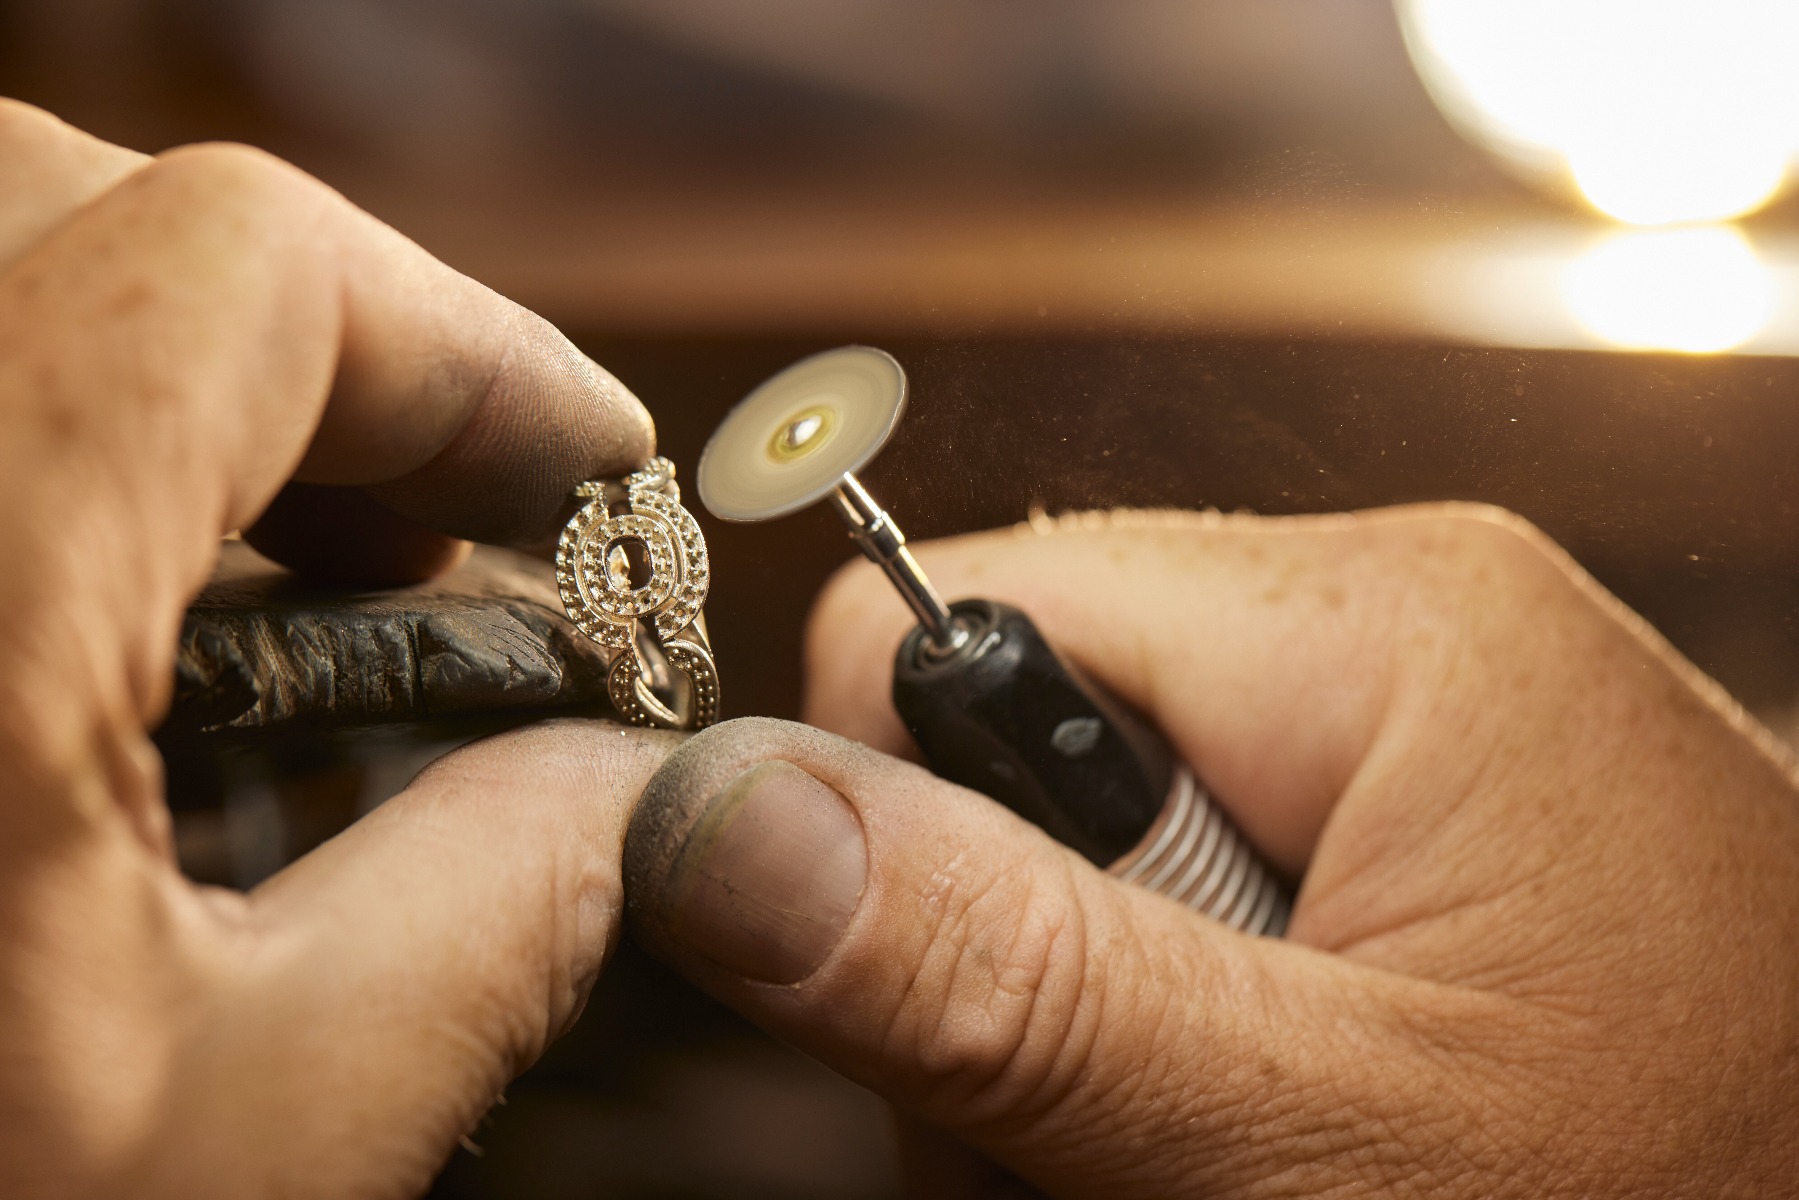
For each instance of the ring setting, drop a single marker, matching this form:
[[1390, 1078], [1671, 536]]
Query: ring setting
[[634, 574]]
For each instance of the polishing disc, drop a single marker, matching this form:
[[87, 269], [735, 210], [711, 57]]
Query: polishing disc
[[791, 441]]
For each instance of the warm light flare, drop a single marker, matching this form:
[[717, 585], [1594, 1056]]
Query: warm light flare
[[1657, 111], [1696, 290]]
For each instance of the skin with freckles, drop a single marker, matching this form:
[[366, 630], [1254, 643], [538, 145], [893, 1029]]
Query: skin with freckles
[[181, 340], [1547, 941]]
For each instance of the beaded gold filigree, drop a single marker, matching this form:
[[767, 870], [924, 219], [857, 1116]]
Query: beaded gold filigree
[[634, 575]]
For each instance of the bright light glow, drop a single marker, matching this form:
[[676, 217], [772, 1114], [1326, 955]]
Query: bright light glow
[[1658, 111], [1697, 290]]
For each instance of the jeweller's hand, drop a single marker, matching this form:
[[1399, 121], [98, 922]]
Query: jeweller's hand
[[1547, 941], [179, 338]]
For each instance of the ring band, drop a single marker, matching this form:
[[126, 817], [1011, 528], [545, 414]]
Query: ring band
[[633, 572]]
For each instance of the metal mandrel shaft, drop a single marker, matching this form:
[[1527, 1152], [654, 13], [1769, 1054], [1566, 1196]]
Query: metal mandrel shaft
[[883, 542]]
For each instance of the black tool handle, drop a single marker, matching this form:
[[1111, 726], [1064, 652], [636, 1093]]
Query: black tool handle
[[1004, 714]]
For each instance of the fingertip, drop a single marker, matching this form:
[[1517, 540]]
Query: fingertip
[[549, 419], [633, 433], [741, 856], [675, 796]]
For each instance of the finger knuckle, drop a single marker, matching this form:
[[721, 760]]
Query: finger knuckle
[[1495, 530], [25, 127], [993, 1018], [237, 178], [837, 626], [847, 591], [1467, 552]]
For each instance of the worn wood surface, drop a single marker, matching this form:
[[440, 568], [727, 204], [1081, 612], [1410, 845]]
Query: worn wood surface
[[262, 651]]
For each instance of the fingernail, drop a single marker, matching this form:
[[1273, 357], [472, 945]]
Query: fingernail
[[768, 876]]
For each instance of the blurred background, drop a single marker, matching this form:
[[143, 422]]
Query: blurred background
[[1279, 255]]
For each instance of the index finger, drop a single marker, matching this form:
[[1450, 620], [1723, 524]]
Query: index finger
[[213, 325], [1280, 655], [1177, 619]]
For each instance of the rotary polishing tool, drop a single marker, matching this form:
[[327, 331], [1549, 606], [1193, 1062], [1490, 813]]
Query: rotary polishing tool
[[989, 701]]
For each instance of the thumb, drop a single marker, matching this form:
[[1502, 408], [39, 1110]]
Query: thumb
[[1093, 1038], [389, 984]]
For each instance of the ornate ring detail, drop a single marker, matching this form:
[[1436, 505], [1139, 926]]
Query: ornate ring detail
[[635, 581], [639, 705]]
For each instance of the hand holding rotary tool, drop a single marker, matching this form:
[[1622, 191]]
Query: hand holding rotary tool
[[1547, 941], [990, 702]]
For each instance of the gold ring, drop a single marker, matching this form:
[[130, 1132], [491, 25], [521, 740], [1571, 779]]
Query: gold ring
[[633, 573]]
